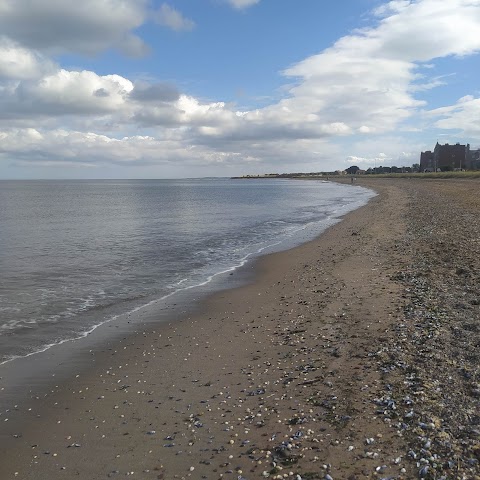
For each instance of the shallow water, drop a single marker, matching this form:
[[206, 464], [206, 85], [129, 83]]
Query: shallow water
[[76, 254]]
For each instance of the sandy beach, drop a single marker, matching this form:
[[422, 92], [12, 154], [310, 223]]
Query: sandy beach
[[353, 356]]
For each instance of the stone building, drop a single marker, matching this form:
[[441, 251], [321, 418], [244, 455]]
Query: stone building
[[426, 161], [475, 159], [446, 158]]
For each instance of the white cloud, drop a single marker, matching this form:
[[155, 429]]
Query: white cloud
[[58, 146], [383, 150], [431, 83], [241, 4], [380, 159], [367, 80], [65, 93], [86, 27], [462, 116], [168, 16], [359, 161], [402, 159], [427, 29], [355, 82], [361, 88], [20, 63], [156, 92]]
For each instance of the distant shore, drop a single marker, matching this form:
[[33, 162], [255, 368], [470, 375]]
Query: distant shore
[[351, 357], [341, 176]]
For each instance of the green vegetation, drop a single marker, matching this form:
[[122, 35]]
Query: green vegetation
[[438, 175], [378, 172]]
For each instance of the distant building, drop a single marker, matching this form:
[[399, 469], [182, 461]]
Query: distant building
[[475, 159], [446, 158], [426, 161], [451, 157]]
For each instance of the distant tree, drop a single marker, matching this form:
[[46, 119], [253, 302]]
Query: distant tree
[[416, 167], [352, 170]]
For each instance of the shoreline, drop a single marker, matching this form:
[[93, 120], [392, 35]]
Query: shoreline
[[67, 357], [286, 374]]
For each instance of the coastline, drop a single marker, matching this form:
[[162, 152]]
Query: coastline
[[286, 374], [34, 325], [34, 373]]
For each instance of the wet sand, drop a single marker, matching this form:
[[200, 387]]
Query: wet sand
[[350, 357]]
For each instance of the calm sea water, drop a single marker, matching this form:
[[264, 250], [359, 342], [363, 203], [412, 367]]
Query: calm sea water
[[75, 254]]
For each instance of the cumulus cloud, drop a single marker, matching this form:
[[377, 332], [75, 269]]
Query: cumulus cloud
[[352, 82], [186, 112], [63, 148], [367, 80], [65, 93], [58, 146], [364, 83], [157, 92], [427, 29], [168, 16], [20, 63], [363, 86], [86, 27]]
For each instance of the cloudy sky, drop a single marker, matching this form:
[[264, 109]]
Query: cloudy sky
[[194, 88]]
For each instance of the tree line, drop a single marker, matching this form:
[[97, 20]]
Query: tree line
[[353, 170]]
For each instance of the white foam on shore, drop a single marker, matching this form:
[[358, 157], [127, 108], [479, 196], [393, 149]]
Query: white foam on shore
[[318, 227]]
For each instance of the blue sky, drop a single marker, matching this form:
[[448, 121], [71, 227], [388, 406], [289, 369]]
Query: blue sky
[[192, 88]]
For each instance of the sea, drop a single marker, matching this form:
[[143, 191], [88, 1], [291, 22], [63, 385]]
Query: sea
[[75, 255]]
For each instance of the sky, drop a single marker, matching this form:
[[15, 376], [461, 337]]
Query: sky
[[199, 88]]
